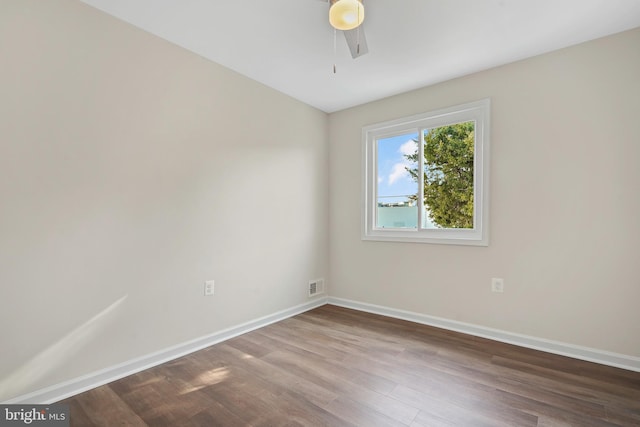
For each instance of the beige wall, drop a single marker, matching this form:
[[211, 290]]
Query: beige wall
[[131, 172], [565, 203]]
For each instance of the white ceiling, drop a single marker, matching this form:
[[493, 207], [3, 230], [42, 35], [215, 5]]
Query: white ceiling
[[288, 44]]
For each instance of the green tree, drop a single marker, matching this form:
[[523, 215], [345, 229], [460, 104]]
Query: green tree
[[448, 174]]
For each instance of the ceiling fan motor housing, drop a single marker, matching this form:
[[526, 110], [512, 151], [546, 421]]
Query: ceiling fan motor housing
[[346, 14]]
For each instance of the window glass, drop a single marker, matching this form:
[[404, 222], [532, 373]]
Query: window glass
[[397, 189], [448, 198]]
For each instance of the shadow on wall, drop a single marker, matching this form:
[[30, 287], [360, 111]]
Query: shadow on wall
[[56, 354]]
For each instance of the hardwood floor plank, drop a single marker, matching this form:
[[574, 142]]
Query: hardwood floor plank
[[553, 413], [449, 416], [250, 348], [575, 376], [359, 414], [361, 394], [78, 416], [324, 371], [438, 408], [275, 375], [103, 406], [526, 386], [582, 386], [215, 415], [257, 402], [338, 367]]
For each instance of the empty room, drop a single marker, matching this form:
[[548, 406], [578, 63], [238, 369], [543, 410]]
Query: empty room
[[319, 213]]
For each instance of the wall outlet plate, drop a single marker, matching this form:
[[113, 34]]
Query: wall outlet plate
[[209, 288], [497, 284]]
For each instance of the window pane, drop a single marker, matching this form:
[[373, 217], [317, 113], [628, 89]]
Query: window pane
[[448, 176], [397, 185]]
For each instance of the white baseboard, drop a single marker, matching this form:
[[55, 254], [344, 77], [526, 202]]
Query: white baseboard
[[72, 387], [577, 352]]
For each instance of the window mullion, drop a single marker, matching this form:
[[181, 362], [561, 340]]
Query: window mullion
[[420, 199], [374, 184]]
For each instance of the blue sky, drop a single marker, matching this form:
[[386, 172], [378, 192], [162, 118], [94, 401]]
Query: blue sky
[[393, 179]]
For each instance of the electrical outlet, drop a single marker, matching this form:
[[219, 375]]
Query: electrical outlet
[[209, 288], [497, 284]]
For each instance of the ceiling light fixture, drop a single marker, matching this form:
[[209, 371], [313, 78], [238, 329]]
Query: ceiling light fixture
[[346, 14]]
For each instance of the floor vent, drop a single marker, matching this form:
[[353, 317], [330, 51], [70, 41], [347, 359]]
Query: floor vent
[[316, 287]]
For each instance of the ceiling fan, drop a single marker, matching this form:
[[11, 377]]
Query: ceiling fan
[[348, 16]]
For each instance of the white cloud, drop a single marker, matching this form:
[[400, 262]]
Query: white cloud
[[408, 148], [398, 171]]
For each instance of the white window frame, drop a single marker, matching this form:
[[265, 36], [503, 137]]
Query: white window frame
[[479, 112]]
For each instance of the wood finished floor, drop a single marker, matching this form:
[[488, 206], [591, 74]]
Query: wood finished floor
[[337, 367]]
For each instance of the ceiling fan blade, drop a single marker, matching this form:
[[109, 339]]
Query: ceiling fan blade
[[356, 41]]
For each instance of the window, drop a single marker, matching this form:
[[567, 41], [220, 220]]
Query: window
[[449, 149]]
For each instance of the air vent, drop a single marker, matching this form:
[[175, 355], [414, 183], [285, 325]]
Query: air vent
[[316, 287]]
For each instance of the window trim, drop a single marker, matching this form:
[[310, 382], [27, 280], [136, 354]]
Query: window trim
[[478, 111]]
